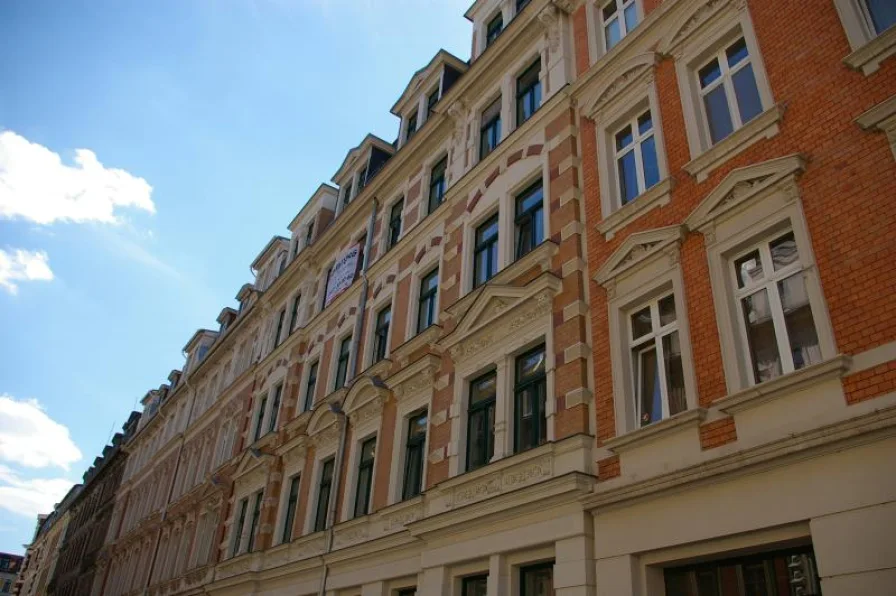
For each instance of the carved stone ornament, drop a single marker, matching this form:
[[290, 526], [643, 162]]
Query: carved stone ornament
[[372, 409], [421, 381], [351, 536], [550, 20], [326, 437], [403, 518], [499, 482], [618, 85]]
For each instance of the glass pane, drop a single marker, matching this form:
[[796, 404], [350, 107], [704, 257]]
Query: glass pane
[[761, 337], [648, 159], [784, 251], [368, 451], [649, 392], [530, 365], [674, 374], [624, 138], [707, 583], [483, 389], [748, 269], [800, 324], [524, 238], [667, 310], [537, 581], [736, 52], [487, 231], [609, 10], [628, 177], [709, 73], [631, 17], [717, 114], [645, 123], [475, 586], [641, 324], [525, 420], [613, 33], [678, 583], [748, 102], [755, 579], [417, 425], [883, 14], [531, 199], [481, 426]]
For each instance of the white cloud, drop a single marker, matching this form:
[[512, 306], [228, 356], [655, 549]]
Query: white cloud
[[29, 497], [35, 185], [23, 265], [30, 438]]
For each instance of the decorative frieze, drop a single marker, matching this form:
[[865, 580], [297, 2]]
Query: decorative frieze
[[499, 482]]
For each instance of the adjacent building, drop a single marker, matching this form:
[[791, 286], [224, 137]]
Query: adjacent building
[[614, 314], [42, 555], [10, 567]]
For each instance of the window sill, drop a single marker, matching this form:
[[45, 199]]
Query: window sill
[[427, 336], [757, 395], [881, 117], [867, 58], [657, 196], [648, 434], [765, 125]]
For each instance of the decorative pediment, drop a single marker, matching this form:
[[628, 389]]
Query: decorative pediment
[[365, 399], [619, 79], [637, 249], [248, 464], [416, 377], [693, 18], [745, 184]]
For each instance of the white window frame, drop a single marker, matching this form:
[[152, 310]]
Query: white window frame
[[726, 81], [370, 341], [869, 48], [621, 5], [637, 140]]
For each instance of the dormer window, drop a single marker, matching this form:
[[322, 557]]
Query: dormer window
[[362, 178], [520, 5], [347, 194], [493, 29], [309, 234], [431, 101], [412, 126]]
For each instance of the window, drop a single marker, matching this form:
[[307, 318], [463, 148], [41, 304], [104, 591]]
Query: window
[[528, 92], [309, 234], [426, 303], [414, 456], [275, 407], [481, 421], [493, 29], [537, 580], [776, 317], [637, 168], [881, 13], [783, 573], [290, 513], [394, 232], [728, 90], [490, 128], [431, 101], [485, 251], [381, 334], [530, 397], [362, 179], [476, 585], [365, 477], [437, 184], [253, 526], [294, 313], [407, 592], [520, 5], [618, 18], [529, 219], [323, 300], [310, 386], [323, 495], [342, 363], [657, 371], [259, 418], [412, 126], [347, 193], [280, 318], [238, 530]]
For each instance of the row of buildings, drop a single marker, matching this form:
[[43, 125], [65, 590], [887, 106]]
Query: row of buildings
[[615, 314]]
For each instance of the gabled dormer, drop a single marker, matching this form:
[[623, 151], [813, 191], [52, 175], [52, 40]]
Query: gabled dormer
[[150, 403], [246, 297], [226, 318], [489, 18], [198, 347], [174, 379], [360, 165], [424, 91], [270, 262], [313, 218]]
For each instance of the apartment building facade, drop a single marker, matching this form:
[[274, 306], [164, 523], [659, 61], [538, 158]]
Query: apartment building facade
[[599, 321], [10, 567], [42, 555]]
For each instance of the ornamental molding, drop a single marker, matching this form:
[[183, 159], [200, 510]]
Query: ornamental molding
[[743, 186], [503, 481], [687, 23], [369, 411], [636, 250], [402, 518], [634, 72], [350, 536]]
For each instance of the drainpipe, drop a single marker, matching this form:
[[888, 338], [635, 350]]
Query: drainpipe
[[334, 497], [155, 554], [362, 304]]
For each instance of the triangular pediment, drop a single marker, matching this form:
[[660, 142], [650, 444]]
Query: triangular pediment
[[637, 249], [248, 463], [614, 83], [742, 185]]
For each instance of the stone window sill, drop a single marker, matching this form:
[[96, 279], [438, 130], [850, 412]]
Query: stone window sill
[[653, 432], [867, 58], [757, 395], [657, 196], [765, 125]]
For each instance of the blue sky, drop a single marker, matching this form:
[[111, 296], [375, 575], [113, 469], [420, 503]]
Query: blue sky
[[148, 151]]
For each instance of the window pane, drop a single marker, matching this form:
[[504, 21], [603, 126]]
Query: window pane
[[613, 33], [761, 337], [883, 14], [748, 102], [417, 425], [609, 10], [756, 580], [628, 177], [624, 138], [748, 269], [717, 114], [649, 392], [784, 251], [641, 324], [667, 310], [648, 158], [481, 427], [483, 389], [537, 581], [530, 366], [709, 73], [475, 586], [736, 52], [798, 318], [631, 17], [674, 374]]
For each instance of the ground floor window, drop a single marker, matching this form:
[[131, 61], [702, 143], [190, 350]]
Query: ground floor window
[[781, 573], [537, 580], [476, 585]]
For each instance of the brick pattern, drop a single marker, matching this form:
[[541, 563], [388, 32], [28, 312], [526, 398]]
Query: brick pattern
[[870, 383], [608, 468], [717, 433]]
